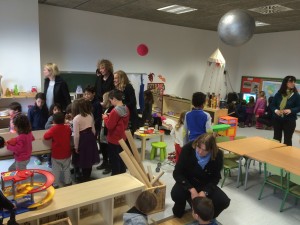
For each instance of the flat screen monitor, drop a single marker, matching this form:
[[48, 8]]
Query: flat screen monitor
[[246, 96]]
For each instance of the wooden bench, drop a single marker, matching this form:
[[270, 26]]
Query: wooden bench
[[39, 145], [98, 193]]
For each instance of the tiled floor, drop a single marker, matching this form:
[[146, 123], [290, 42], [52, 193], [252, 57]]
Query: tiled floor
[[245, 208]]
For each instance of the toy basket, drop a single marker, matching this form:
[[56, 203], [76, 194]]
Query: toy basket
[[159, 189]]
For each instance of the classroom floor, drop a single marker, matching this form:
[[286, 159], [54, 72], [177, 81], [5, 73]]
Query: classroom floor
[[245, 208]]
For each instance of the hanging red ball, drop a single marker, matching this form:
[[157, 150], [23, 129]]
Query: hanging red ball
[[142, 50]]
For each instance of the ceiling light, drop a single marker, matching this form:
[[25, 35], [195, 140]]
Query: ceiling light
[[261, 24], [270, 9], [176, 9]]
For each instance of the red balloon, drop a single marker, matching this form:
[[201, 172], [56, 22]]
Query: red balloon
[[142, 50]]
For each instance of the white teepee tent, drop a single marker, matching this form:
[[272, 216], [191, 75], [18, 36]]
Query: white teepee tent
[[214, 78]]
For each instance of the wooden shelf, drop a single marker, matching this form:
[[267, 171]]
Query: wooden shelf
[[98, 195], [177, 105], [21, 95]]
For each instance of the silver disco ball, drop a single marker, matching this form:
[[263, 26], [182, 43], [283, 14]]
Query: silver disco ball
[[236, 27]]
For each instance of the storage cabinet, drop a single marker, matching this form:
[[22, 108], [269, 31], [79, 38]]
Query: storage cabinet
[[173, 106], [89, 203], [157, 91], [24, 98], [233, 122]]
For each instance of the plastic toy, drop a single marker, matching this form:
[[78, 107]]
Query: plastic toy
[[20, 187]]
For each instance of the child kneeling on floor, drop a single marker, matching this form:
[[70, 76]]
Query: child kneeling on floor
[[60, 134], [145, 203], [203, 211]]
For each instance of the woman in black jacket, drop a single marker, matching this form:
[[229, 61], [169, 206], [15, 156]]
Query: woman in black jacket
[[285, 106], [197, 173], [55, 88]]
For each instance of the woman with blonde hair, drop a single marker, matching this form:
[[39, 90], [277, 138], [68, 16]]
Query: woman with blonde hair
[[55, 88], [123, 84]]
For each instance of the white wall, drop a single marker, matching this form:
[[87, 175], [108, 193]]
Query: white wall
[[75, 40], [271, 55], [19, 44]]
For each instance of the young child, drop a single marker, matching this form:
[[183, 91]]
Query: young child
[[197, 121], [178, 134], [106, 165], [60, 134], [54, 108], [250, 111], [145, 203], [15, 109], [267, 117], [116, 122], [241, 113], [90, 95], [38, 116], [85, 145], [203, 211], [260, 108], [21, 146]]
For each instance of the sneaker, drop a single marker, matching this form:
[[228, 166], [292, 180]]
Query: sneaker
[[37, 162], [107, 171], [102, 166]]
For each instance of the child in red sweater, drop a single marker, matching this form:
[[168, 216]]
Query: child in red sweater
[[116, 122], [60, 134], [21, 145]]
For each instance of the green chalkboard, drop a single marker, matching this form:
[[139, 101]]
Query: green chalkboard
[[78, 78]]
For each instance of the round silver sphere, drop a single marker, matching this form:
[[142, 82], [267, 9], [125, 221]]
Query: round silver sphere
[[236, 27]]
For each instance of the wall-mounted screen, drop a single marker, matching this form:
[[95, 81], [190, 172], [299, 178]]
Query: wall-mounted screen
[[246, 96]]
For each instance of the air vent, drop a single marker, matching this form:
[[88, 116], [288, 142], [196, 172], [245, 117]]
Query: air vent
[[270, 9]]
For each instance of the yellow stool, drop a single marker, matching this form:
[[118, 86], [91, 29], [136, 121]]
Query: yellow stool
[[163, 150]]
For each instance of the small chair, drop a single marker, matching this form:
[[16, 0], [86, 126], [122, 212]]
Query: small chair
[[229, 160], [274, 176], [163, 150], [293, 188]]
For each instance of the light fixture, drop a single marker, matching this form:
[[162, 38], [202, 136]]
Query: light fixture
[[261, 24], [177, 9]]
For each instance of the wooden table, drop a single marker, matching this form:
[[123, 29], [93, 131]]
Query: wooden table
[[39, 145], [248, 145], [100, 193], [146, 136], [287, 157]]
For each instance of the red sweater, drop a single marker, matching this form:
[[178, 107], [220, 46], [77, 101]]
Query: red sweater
[[117, 123], [21, 146], [61, 137]]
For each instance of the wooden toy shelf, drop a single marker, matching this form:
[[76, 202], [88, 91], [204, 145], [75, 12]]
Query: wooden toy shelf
[[98, 195]]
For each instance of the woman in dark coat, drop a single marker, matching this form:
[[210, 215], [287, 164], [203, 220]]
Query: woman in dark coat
[[55, 88], [285, 106], [197, 173]]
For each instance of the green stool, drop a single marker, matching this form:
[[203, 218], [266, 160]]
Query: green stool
[[163, 150]]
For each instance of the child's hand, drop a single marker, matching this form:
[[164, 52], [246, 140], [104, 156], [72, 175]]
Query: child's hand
[[104, 116]]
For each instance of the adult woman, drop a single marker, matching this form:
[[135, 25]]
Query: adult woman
[[55, 88], [123, 84], [197, 173], [105, 78], [285, 106]]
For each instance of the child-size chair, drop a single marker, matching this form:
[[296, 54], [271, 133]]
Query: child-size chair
[[163, 150]]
